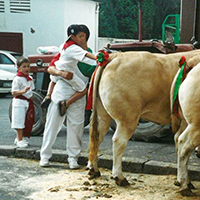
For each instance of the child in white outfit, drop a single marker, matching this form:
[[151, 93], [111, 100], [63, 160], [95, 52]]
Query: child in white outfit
[[22, 87], [71, 53]]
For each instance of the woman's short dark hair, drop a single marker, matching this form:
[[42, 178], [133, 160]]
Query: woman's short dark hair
[[73, 29], [85, 29]]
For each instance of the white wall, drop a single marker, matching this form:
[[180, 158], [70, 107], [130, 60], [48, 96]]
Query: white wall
[[103, 41], [83, 12], [49, 19]]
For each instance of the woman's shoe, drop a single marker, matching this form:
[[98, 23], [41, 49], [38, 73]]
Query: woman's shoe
[[44, 162]]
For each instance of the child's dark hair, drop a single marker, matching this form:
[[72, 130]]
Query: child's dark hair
[[85, 29], [22, 60]]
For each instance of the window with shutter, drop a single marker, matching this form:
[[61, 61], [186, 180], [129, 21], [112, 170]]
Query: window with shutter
[[20, 6], [2, 7]]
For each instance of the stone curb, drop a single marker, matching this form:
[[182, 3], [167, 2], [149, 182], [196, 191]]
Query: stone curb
[[135, 165]]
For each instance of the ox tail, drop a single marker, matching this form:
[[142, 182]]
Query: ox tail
[[94, 133]]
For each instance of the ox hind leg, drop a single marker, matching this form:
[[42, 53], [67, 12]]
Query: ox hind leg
[[187, 142], [99, 126], [120, 139], [182, 127], [178, 126]]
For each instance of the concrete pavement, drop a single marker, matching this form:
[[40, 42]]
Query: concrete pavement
[[140, 157]]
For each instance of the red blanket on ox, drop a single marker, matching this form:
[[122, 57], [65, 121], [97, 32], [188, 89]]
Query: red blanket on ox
[[102, 60], [90, 92], [184, 69]]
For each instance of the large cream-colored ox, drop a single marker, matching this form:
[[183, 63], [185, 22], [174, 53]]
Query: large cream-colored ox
[[133, 85], [187, 124]]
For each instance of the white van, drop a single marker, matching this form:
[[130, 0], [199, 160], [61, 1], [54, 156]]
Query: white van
[[8, 60], [6, 79]]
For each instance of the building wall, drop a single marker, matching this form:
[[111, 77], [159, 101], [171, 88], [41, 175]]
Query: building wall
[[187, 20], [48, 20], [103, 41], [84, 12]]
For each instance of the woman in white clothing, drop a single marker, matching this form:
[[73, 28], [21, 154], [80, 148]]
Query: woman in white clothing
[[75, 112]]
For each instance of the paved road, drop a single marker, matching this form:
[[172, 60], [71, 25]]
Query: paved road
[[15, 175], [139, 156]]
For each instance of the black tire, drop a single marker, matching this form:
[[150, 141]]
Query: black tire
[[149, 131], [40, 115], [3, 95]]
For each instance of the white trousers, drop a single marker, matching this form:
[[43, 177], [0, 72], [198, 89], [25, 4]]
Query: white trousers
[[19, 110], [75, 124]]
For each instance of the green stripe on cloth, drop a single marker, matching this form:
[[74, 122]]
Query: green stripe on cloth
[[178, 83], [86, 70]]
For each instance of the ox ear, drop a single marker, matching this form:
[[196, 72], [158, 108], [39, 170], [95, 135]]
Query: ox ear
[[107, 50]]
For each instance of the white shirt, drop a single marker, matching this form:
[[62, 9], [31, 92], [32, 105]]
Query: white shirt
[[70, 57], [20, 83]]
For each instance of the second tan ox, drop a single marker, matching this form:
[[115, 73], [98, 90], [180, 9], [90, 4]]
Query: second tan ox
[[133, 85], [186, 125]]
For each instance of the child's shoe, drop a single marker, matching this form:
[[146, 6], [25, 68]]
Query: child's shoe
[[22, 144], [62, 108], [16, 140]]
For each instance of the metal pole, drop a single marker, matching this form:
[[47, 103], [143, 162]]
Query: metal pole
[[140, 20]]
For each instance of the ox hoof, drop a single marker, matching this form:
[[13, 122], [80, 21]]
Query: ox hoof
[[87, 168], [197, 153], [92, 174], [190, 185], [177, 183], [187, 192], [119, 182]]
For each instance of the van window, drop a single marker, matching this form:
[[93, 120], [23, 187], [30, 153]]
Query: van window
[[5, 60]]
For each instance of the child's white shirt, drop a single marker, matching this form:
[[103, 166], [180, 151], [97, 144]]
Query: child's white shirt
[[20, 83]]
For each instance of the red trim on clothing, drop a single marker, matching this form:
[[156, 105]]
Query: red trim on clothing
[[22, 97], [28, 78], [57, 56], [67, 44]]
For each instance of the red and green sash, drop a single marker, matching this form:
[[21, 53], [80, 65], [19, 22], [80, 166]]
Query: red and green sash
[[180, 78], [30, 116]]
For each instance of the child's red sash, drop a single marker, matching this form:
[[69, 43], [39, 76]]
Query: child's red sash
[[30, 116]]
